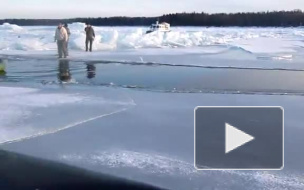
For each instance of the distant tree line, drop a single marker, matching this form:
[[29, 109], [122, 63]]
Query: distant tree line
[[263, 19]]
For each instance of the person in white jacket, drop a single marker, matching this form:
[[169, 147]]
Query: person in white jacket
[[61, 36]]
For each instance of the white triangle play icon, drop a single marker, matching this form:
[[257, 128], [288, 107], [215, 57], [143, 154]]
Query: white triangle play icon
[[235, 138]]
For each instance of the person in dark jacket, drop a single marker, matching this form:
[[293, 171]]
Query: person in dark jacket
[[69, 34], [90, 36]]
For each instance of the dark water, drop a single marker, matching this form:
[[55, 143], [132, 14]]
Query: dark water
[[163, 78]]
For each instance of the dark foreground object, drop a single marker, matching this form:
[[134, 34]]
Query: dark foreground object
[[23, 172]]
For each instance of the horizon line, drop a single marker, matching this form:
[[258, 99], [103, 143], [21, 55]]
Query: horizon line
[[195, 12]]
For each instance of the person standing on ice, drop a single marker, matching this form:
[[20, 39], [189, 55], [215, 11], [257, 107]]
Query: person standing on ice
[[69, 34], [61, 36], [90, 36]]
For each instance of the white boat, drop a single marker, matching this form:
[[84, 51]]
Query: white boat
[[161, 27]]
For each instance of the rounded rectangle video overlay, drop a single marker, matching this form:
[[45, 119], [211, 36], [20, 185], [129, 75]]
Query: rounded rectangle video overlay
[[239, 138]]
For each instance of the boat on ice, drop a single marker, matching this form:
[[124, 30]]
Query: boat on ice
[[161, 27]]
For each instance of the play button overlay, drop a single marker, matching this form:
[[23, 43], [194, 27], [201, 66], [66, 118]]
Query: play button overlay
[[235, 138], [239, 138]]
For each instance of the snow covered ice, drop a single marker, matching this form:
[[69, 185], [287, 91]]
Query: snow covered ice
[[283, 40]]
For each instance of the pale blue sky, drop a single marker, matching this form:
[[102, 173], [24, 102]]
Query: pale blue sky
[[104, 8]]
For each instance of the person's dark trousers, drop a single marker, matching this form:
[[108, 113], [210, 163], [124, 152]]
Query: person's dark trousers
[[89, 41], [62, 48]]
